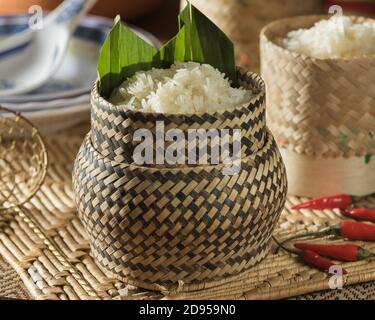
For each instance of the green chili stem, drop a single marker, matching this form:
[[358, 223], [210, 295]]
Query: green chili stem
[[357, 199], [326, 232], [365, 254], [281, 245]]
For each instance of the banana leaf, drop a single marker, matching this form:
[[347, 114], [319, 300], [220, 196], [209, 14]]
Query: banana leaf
[[206, 43], [198, 40], [122, 55]]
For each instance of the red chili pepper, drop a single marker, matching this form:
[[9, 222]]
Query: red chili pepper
[[341, 201], [319, 262], [310, 257], [353, 230], [344, 252], [348, 229], [361, 214]]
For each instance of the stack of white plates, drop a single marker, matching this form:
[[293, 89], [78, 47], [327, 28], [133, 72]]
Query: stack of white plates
[[64, 100]]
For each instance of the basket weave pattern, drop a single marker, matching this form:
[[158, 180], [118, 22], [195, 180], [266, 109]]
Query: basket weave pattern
[[157, 227], [112, 128], [312, 102]]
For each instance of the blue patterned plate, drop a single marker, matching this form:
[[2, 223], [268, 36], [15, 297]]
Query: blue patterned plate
[[78, 71]]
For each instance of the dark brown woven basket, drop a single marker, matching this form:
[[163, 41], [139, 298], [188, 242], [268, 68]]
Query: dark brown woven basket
[[162, 226]]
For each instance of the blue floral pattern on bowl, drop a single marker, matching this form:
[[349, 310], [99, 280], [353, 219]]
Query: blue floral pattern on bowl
[[92, 30], [72, 8], [5, 84]]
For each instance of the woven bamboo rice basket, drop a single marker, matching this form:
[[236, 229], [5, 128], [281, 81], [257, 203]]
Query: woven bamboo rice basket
[[321, 113], [162, 226], [243, 20]]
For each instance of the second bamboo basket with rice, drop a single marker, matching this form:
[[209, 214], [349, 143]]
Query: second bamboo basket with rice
[[322, 114], [178, 227]]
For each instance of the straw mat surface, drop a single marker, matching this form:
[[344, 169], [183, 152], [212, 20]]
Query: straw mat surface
[[46, 245], [11, 286]]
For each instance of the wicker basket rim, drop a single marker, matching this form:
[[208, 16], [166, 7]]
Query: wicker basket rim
[[257, 82], [250, 159], [44, 161], [313, 18]]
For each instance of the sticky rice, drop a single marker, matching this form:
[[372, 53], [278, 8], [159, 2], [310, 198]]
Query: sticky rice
[[338, 37], [184, 88]]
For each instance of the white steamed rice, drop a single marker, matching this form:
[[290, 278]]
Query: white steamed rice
[[184, 88], [338, 37]]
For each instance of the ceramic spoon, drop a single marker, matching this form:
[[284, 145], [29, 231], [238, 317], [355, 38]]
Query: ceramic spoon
[[30, 58]]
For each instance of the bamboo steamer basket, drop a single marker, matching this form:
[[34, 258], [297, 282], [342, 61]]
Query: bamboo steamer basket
[[162, 226], [312, 104], [243, 20]]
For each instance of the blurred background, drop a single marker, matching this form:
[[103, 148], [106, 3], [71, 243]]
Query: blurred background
[[157, 16], [242, 20]]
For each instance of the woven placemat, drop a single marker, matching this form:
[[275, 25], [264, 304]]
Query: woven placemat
[[364, 291], [11, 286], [46, 244]]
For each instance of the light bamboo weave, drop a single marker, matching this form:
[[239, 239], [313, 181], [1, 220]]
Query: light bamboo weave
[[53, 210], [321, 113], [312, 103], [11, 287], [20, 178]]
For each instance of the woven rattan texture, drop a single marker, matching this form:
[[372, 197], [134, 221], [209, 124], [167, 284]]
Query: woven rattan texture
[[112, 128], [365, 291], [210, 227], [11, 286], [279, 276], [19, 140], [313, 103], [161, 226]]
